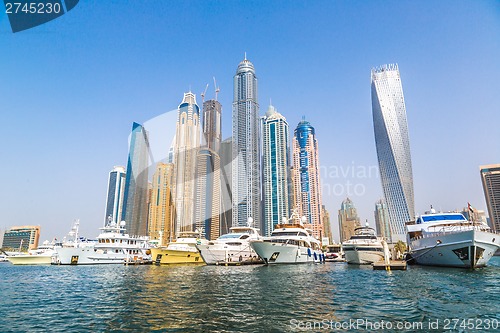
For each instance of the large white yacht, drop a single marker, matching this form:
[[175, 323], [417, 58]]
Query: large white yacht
[[364, 247], [233, 247], [289, 243], [449, 239], [113, 246], [43, 255]]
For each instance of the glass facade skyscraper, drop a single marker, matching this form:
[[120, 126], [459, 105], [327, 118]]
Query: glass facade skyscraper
[[306, 177], [348, 220], [246, 156], [116, 190], [490, 176], [275, 163], [393, 146], [382, 221], [187, 142], [135, 198]]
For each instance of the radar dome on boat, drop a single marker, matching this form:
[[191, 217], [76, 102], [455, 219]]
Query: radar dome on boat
[[303, 219], [122, 223]]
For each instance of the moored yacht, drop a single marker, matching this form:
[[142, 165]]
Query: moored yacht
[[43, 255], [289, 243], [233, 247], [182, 251], [364, 247], [449, 239], [113, 246], [334, 253]]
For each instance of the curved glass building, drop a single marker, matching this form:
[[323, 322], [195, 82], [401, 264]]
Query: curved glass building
[[393, 146]]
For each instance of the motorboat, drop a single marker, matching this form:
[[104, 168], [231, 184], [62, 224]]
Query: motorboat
[[364, 247], [181, 251], [43, 255], [232, 248], [113, 246], [449, 239], [290, 243], [334, 253]]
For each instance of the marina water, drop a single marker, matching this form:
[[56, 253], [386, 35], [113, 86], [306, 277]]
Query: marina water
[[283, 298]]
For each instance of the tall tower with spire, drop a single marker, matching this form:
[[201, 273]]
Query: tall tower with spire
[[187, 142], [275, 164], [246, 156]]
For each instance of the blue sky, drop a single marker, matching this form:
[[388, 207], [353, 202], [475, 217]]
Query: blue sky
[[71, 88]]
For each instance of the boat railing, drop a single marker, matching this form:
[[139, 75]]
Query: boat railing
[[451, 229]]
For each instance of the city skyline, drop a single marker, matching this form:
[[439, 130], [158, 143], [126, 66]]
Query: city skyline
[[323, 52]]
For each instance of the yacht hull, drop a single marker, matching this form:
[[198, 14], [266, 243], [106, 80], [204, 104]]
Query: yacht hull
[[281, 253], [220, 254], [162, 256], [354, 255], [465, 249], [87, 256], [31, 259]]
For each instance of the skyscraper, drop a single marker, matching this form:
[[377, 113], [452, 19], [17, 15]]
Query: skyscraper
[[490, 176], [327, 228], [208, 175], [116, 189], [275, 165], [246, 171], [135, 198], [161, 211], [306, 176], [187, 142], [348, 219], [382, 221], [393, 146], [226, 154]]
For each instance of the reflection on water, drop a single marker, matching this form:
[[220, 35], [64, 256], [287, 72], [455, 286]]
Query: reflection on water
[[231, 299]]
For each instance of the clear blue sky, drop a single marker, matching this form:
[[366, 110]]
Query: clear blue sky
[[70, 90]]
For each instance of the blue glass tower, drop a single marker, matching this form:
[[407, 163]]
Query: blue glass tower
[[135, 203]]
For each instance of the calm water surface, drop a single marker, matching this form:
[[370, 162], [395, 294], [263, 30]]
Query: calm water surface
[[242, 299]]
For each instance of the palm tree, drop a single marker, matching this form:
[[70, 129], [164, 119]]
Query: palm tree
[[400, 248]]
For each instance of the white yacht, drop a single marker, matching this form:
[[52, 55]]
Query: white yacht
[[289, 243], [364, 247], [334, 253], [233, 247], [43, 255], [113, 246], [449, 239]]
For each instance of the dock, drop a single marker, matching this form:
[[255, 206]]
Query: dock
[[394, 265]]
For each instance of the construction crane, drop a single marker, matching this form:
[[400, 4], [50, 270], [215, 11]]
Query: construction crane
[[203, 94], [217, 89]]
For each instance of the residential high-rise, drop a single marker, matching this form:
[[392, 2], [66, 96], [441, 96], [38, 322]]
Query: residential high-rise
[[348, 219], [275, 164], [116, 190], [490, 176], [393, 147], [187, 142], [327, 228], [22, 238], [135, 197], [306, 177], [226, 155], [382, 221], [161, 212], [246, 168], [208, 175]]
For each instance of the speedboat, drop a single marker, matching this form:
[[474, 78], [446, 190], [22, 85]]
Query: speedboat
[[113, 246], [449, 239], [334, 253], [289, 243], [231, 248], [182, 251], [364, 247]]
